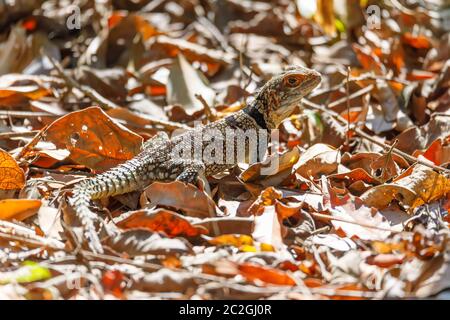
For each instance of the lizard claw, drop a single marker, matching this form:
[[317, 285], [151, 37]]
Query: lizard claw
[[88, 221]]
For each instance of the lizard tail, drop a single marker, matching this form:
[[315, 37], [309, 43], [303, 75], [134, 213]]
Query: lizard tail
[[123, 178], [82, 194]]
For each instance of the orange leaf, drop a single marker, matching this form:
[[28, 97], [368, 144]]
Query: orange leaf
[[11, 175], [172, 224], [385, 260], [268, 275], [418, 42], [94, 139], [18, 209]]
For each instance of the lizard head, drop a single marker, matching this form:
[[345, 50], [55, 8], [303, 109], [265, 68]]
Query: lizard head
[[278, 98]]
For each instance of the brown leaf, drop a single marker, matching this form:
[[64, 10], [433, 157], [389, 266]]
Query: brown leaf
[[269, 228], [188, 198], [184, 84], [94, 139], [423, 185], [11, 175], [164, 280], [227, 225], [136, 242], [319, 159], [284, 161]]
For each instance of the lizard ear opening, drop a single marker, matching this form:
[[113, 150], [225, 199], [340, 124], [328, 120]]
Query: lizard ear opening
[[293, 80]]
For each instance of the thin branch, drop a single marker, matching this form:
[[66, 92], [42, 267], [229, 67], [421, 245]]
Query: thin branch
[[347, 91], [26, 114], [103, 103], [8, 135], [210, 113], [365, 225]]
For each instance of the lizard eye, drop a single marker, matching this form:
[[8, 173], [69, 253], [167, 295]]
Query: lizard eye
[[292, 81]]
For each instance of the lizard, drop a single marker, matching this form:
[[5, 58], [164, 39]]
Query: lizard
[[273, 103]]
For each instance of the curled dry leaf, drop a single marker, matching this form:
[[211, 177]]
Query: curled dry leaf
[[421, 186], [137, 242], [318, 160], [171, 223], [18, 209], [164, 280], [269, 228], [184, 84], [187, 198], [283, 162], [368, 223], [11, 175], [94, 139]]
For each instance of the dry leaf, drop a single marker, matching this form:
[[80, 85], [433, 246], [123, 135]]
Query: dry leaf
[[319, 159], [94, 139], [11, 175], [18, 209], [171, 223], [188, 198], [136, 242], [422, 185], [184, 84]]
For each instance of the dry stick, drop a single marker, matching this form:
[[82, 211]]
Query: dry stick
[[360, 78], [365, 225], [26, 114], [347, 90], [409, 158], [103, 102], [7, 135], [31, 144], [210, 114], [87, 91]]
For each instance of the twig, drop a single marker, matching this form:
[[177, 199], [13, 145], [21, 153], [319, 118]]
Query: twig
[[31, 144], [210, 114], [409, 158], [87, 91], [7, 135], [347, 91], [365, 225], [26, 114], [360, 78]]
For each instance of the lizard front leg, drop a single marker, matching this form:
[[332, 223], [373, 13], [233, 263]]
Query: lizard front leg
[[190, 170]]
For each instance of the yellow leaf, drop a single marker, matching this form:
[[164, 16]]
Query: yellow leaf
[[18, 209], [11, 175]]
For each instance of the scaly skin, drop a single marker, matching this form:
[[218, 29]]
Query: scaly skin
[[157, 161]]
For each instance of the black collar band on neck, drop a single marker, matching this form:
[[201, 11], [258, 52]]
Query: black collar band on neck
[[257, 116]]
